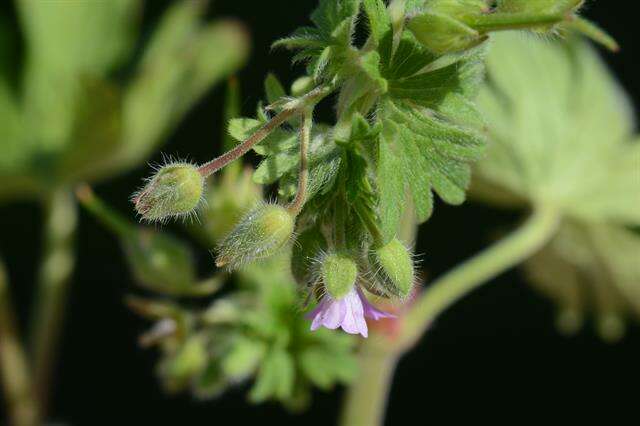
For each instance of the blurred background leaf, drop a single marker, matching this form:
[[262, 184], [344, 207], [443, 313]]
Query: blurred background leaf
[[73, 117], [562, 137]]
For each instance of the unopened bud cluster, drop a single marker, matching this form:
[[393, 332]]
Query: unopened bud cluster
[[387, 271]]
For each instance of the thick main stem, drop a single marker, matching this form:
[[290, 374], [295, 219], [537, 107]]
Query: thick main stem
[[366, 399], [379, 358], [471, 274], [21, 405], [55, 273]]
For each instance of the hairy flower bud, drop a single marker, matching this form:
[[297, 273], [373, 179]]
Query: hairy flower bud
[[441, 27], [175, 190], [260, 234], [339, 273], [395, 268]]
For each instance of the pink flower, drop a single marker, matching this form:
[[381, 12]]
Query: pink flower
[[348, 312]]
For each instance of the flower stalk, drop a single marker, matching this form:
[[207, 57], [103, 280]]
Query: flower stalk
[[514, 21], [55, 273], [290, 109], [303, 176], [366, 399], [21, 406], [379, 356]]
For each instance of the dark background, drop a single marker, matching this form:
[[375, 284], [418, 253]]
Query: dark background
[[494, 355]]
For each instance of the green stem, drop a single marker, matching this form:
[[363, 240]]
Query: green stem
[[513, 21], [370, 223], [21, 405], [107, 216], [471, 274], [303, 176], [55, 273], [366, 399], [595, 33], [379, 354]]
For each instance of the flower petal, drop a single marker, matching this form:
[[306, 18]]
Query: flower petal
[[370, 311], [354, 322], [329, 313]]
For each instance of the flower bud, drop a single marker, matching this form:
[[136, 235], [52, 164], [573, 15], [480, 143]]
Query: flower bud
[[302, 86], [441, 33], [395, 268], [160, 262], [260, 234], [339, 273], [175, 190]]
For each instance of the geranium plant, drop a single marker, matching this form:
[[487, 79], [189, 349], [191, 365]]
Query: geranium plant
[[428, 102]]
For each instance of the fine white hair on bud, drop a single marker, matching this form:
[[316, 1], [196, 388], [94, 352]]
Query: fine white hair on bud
[[394, 268], [175, 190], [339, 273], [259, 234]]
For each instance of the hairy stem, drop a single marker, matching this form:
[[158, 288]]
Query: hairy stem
[[366, 399], [513, 21], [443, 293], [213, 166], [307, 101], [21, 405], [471, 274], [303, 176], [370, 223], [56, 268]]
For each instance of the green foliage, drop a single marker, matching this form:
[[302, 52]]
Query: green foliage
[[70, 120], [255, 332], [406, 127], [158, 261], [327, 45], [427, 141], [562, 137], [406, 122], [591, 268]]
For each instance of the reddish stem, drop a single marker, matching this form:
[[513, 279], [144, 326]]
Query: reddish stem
[[213, 166]]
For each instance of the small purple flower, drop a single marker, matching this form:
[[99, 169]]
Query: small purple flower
[[348, 312]]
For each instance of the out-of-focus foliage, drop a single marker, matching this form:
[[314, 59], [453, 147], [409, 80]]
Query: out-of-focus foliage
[[257, 332], [71, 118], [562, 137]]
